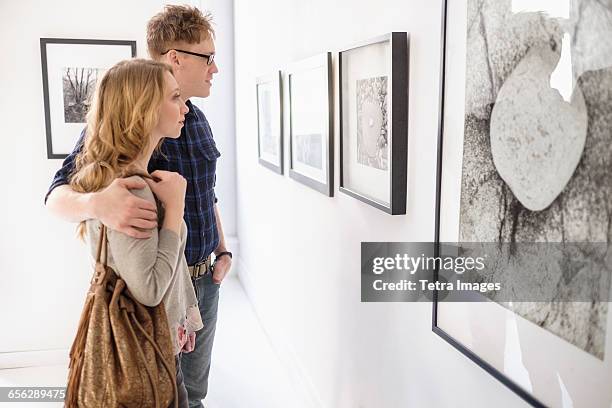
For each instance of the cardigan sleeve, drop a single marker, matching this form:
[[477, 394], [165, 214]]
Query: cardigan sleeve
[[146, 265]]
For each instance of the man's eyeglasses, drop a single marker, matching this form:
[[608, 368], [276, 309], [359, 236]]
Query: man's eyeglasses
[[210, 58]]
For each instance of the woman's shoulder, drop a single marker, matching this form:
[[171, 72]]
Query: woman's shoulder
[[145, 192], [148, 195], [92, 234]]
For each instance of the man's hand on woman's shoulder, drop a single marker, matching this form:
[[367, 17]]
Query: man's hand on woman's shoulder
[[119, 209]]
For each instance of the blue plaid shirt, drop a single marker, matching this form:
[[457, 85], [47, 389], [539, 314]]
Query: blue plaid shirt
[[194, 156]]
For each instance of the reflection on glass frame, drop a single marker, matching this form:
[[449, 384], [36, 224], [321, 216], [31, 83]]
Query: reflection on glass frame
[[311, 144], [373, 83], [70, 71], [269, 122], [525, 153]]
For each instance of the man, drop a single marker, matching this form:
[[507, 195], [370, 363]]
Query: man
[[182, 37]]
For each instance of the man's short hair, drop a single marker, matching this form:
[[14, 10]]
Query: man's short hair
[[177, 24]]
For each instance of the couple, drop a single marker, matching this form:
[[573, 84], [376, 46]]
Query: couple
[[138, 104]]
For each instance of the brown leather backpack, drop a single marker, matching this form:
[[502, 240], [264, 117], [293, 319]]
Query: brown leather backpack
[[122, 355]]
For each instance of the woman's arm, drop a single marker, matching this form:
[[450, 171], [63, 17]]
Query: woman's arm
[[147, 265]]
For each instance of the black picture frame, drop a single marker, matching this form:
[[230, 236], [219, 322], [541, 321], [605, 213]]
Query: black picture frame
[[398, 106], [276, 80], [316, 62], [44, 42], [498, 375]]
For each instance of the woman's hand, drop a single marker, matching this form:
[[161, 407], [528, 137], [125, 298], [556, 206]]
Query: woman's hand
[[186, 341], [190, 344], [170, 190]]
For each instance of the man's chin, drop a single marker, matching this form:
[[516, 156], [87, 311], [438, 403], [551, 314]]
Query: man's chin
[[206, 89], [203, 94]]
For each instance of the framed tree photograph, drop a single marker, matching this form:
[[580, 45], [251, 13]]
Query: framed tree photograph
[[373, 82], [311, 143], [70, 71], [270, 122], [525, 157]]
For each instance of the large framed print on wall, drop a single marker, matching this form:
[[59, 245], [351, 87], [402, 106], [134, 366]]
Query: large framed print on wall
[[373, 82], [525, 155], [270, 122], [70, 71], [311, 142]]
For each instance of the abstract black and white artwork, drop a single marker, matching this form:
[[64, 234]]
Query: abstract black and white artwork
[[79, 85], [268, 142], [308, 150], [373, 79], [527, 158], [532, 169], [70, 71], [311, 142], [372, 126], [269, 122]]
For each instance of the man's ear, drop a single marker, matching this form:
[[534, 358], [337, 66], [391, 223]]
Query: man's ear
[[173, 59]]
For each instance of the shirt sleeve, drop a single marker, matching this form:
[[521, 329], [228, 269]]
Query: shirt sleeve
[[62, 176], [147, 265]]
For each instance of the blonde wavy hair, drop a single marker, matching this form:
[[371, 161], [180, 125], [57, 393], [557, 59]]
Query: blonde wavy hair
[[124, 112]]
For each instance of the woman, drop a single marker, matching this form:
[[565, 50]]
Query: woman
[[138, 104]]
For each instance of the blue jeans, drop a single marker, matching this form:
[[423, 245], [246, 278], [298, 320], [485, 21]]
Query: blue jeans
[[196, 365], [180, 385]]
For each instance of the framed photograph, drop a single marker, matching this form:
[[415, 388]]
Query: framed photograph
[[270, 122], [311, 143], [374, 121], [70, 71], [525, 156]]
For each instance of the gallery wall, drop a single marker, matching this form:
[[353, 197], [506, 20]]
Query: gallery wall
[[300, 250], [44, 269]]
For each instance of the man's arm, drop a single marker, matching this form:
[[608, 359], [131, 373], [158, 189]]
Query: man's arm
[[115, 206], [60, 199], [223, 264], [221, 247], [69, 205]]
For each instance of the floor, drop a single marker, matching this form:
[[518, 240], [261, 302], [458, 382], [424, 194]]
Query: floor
[[245, 371]]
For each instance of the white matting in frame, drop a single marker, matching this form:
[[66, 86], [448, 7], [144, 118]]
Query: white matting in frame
[[269, 122], [368, 67], [541, 367], [71, 69], [311, 123], [373, 82]]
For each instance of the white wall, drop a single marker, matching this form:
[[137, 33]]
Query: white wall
[[219, 109], [44, 270], [300, 251]]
